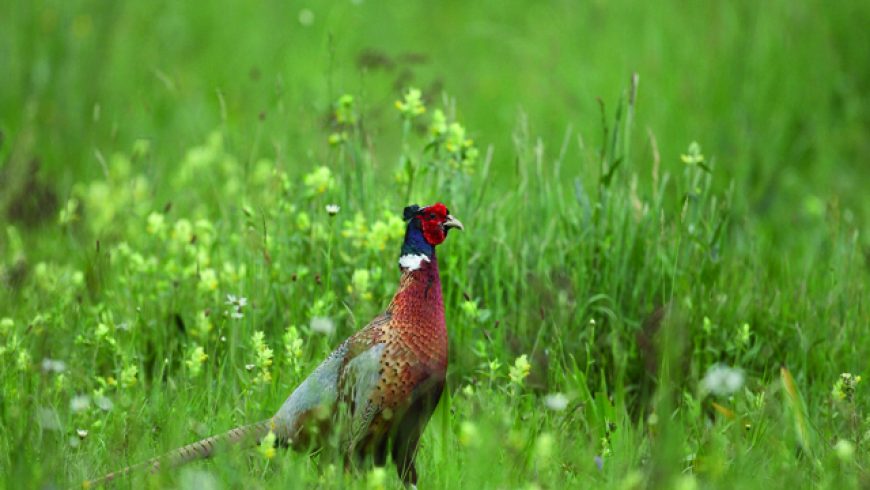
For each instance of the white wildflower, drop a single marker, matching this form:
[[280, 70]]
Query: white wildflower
[[236, 304], [544, 446], [556, 401], [306, 17], [198, 479], [53, 366], [844, 450], [722, 380], [48, 419], [104, 403], [332, 209], [323, 325], [80, 403], [239, 301]]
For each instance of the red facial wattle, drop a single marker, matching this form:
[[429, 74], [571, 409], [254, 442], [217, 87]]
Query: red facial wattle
[[432, 221], [433, 232]]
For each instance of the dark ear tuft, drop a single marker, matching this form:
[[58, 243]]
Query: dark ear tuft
[[410, 211]]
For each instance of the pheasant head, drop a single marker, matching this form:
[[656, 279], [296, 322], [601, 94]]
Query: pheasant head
[[427, 228]]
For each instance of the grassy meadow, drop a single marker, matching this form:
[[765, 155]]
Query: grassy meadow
[[664, 280]]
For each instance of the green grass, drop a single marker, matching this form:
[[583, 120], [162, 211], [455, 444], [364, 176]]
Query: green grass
[[622, 272]]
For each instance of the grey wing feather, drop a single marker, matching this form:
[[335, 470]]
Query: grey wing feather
[[360, 379], [320, 388]]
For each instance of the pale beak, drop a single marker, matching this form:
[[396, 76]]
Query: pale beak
[[452, 223]]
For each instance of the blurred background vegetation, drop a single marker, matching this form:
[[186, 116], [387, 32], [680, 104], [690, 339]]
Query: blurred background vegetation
[[778, 94], [590, 213]]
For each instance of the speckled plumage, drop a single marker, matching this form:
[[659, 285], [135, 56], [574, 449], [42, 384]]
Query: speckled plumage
[[389, 375], [380, 386]]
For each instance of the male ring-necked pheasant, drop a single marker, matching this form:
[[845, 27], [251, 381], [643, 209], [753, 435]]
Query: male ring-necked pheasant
[[380, 386]]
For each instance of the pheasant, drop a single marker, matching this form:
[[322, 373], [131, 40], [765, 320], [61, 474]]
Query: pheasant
[[377, 389]]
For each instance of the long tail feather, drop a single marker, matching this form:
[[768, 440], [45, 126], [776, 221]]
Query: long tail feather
[[244, 435]]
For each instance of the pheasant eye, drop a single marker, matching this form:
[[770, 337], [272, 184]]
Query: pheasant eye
[[431, 215]]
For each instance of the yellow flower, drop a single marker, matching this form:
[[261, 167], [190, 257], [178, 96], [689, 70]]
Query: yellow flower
[[694, 155], [494, 367], [195, 361], [141, 148], [845, 386], [517, 439], [293, 348], [468, 434], [267, 445], [208, 280], [204, 232], [335, 139], [520, 370], [182, 231], [6, 325], [456, 137], [360, 283], [356, 230], [102, 333], [469, 307], [412, 105], [23, 361], [203, 326], [438, 126], [384, 232], [264, 358], [844, 450], [303, 221], [69, 213], [129, 376], [377, 479], [744, 334], [345, 112], [686, 482], [156, 224], [544, 446], [319, 180], [234, 274]]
